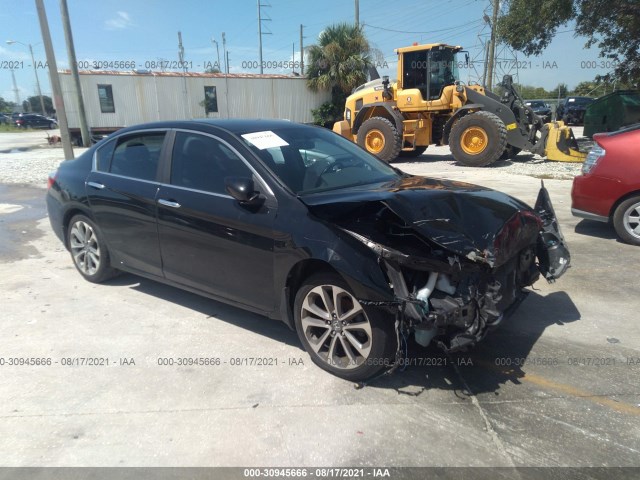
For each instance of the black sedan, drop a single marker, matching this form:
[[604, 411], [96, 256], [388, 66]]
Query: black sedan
[[299, 224], [571, 110], [541, 109], [33, 120]]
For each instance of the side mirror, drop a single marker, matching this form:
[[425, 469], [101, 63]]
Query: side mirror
[[241, 188]]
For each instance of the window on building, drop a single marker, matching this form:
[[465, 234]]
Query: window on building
[[210, 100], [105, 95]]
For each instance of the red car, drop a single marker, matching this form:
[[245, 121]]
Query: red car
[[609, 188]]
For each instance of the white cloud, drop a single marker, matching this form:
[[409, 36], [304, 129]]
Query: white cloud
[[120, 22]]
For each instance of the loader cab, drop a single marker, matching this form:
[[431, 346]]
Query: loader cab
[[428, 68]]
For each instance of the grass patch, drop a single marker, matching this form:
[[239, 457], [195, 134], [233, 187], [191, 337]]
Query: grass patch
[[10, 128]]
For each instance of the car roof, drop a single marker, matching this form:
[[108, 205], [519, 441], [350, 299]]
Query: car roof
[[235, 126]]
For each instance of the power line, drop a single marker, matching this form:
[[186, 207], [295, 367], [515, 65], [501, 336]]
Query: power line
[[422, 33]]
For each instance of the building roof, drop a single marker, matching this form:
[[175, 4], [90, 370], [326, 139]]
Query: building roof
[[150, 73]]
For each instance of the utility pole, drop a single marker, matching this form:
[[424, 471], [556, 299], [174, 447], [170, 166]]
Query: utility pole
[[487, 46], [357, 6], [58, 101], [73, 64], [184, 77], [260, 33], [15, 91], [293, 56], [226, 72], [492, 46], [301, 52]]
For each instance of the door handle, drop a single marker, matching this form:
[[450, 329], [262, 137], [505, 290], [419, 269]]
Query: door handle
[[95, 185], [168, 203]]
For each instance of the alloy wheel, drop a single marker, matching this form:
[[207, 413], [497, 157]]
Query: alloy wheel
[[84, 246], [336, 327]]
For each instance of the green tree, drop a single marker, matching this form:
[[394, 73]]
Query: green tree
[[6, 106], [32, 104], [614, 27], [339, 63]]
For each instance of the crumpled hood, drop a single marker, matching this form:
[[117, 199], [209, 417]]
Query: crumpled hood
[[476, 222]]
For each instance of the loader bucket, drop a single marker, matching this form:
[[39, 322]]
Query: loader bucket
[[561, 145]]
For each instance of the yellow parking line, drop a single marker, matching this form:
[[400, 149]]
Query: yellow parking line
[[545, 383], [621, 407]]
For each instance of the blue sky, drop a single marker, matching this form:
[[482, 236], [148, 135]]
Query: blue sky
[[144, 31]]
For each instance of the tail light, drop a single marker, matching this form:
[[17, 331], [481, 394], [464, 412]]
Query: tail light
[[596, 153], [52, 179]]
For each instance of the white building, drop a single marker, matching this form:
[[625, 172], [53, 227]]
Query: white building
[[117, 99]]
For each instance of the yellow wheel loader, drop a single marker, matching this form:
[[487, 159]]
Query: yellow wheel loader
[[429, 105]]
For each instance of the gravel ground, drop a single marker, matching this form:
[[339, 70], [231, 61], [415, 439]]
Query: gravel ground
[[25, 158]]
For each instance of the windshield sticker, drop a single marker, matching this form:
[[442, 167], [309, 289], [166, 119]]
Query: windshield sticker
[[572, 100], [264, 140]]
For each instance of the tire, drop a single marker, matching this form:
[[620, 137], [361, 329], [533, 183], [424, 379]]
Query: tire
[[413, 153], [478, 139], [510, 153], [380, 138], [626, 220], [88, 250], [332, 343]]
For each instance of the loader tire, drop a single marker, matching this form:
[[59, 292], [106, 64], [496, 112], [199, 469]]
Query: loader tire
[[478, 139], [379, 137]]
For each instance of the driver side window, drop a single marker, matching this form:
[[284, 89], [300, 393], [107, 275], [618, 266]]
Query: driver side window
[[202, 163]]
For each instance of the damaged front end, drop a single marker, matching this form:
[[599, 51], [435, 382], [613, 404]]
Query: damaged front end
[[457, 257]]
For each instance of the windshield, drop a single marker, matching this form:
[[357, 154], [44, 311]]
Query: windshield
[[309, 160]]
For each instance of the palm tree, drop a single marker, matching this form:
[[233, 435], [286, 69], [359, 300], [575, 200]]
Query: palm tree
[[339, 62]]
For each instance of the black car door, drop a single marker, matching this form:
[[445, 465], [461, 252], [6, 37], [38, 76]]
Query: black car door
[[208, 240], [122, 189]]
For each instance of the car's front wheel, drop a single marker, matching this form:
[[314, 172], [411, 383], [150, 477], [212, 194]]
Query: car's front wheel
[[342, 336], [626, 220], [88, 250]]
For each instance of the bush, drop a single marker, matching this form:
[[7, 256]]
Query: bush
[[327, 114]]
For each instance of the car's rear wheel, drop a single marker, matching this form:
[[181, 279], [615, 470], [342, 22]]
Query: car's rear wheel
[[342, 336], [88, 250], [52, 126], [626, 220]]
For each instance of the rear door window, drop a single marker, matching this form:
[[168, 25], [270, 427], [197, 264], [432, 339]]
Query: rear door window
[[138, 155]]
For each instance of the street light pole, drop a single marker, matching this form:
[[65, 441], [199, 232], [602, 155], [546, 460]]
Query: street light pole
[[213, 40], [35, 70]]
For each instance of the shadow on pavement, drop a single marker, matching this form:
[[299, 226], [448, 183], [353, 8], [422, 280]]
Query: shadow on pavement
[[485, 368], [592, 228], [218, 311], [493, 362]]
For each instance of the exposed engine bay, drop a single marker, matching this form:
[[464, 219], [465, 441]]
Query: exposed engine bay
[[458, 260]]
